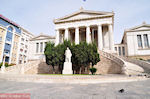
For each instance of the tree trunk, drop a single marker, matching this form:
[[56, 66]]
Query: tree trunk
[[53, 69]]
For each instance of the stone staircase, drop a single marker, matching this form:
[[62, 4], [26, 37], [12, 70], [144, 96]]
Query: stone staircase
[[22, 68], [109, 64], [112, 63], [145, 65]]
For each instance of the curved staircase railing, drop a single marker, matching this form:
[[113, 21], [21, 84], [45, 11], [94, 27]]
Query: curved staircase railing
[[143, 64], [114, 58]]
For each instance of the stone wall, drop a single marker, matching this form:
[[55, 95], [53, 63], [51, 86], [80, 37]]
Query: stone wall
[[42, 68], [107, 66]]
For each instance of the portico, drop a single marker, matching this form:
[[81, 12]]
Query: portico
[[89, 26]]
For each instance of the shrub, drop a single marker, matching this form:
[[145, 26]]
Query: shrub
[[93, 70], [6, 64]]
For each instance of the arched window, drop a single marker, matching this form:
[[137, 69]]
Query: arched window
[[10, 29]]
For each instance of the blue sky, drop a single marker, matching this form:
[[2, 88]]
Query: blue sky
[[37, 15]]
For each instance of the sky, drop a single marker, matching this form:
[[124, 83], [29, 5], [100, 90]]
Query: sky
[[37, 16]]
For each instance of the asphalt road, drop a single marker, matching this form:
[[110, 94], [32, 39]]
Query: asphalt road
[[133, 90]]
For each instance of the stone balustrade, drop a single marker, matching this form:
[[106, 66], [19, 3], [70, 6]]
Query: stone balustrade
[[115, 59], [112, 57], [145, 65]]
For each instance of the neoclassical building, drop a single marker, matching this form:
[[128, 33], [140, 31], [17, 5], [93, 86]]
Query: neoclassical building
[[37, 46], [135, 42], [89, 26]]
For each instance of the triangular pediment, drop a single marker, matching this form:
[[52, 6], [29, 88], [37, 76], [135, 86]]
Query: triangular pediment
[[83, 14], [42, 37], [142, 27]]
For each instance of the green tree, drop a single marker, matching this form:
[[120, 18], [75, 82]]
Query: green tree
[[51, 55], [82, 55]]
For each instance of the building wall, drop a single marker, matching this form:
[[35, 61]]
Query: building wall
[[15, 49], [132, 43], [9, 40], [119, 49], [2, 41], [24, 46], [33, 53]]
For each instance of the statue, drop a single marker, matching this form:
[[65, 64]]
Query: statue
[[68, 55], [67, 69]]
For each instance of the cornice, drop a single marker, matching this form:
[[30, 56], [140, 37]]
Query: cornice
[[83, 19]]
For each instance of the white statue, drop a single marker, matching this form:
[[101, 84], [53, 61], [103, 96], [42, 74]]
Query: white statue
[[68, 55], [67, 69]]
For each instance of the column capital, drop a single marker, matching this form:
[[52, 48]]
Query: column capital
[[77, 27], [87, 25], [66, 28], [99, 24]]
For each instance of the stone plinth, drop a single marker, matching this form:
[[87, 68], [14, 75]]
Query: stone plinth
[[67, 68]]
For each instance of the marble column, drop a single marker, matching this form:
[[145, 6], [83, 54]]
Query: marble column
[[88, 35], [111, 38], [77, 35], [66, 33], [100, 39], [57, 37]]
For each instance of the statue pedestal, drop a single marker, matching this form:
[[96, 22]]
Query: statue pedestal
[[67, 68]]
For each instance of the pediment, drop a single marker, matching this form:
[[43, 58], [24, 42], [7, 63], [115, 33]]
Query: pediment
[[83, 14], [42, 37], [142, 27]]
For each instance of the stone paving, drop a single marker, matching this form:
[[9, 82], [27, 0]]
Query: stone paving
[[71, 79], [133, 90]]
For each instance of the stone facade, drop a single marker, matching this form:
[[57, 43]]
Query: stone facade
[[37, 46], [23, 54], [136, 41], [107, 66], [2, 39], [15, 49], [89, 26]]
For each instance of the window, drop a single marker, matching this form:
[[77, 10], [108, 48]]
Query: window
[[41, 47], [146, 41], [9, 36], [7, 47], [119, 50], [123, 51], [115, 48], [10, 29], [139, 39], [37, 47], [22, 39]]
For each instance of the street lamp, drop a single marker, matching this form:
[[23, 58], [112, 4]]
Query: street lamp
[[3, 66]]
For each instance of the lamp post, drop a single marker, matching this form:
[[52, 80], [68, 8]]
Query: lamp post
[[3, 66]]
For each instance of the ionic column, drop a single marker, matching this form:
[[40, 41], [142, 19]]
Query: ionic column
[[66, 33], [57, 37], [100, 39], [77, 35], [88, 36], [111, 38]]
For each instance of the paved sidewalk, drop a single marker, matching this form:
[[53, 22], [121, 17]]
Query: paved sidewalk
[[133, 90], [72, 79]]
